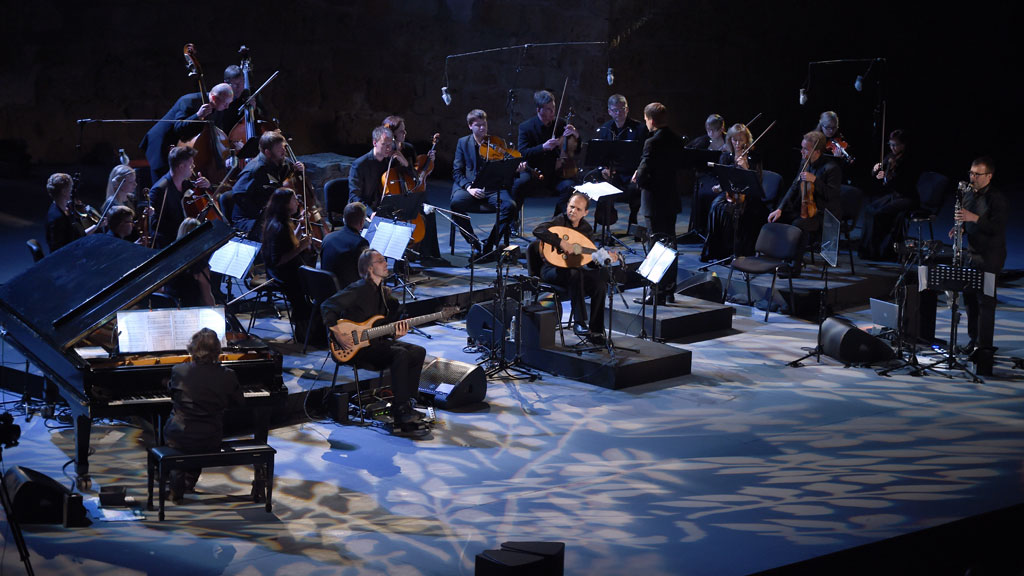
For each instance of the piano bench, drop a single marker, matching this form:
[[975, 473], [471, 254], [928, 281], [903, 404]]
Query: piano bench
[[163, 459]]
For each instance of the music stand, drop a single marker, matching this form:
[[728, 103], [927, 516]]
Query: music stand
[[617, 154], [652, 269], [496, 175], [956, 280], [698, 160], [595, 192], [391, 238], [829, 251], [735, 181]]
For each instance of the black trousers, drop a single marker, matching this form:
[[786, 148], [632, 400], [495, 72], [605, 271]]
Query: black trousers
[[403, 359], [581, 282], [464, 202]]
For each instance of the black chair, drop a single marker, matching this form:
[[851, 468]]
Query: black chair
[[335, 200], [319, 285], [932, 189], [770, 182], [268, 291], [35, 249], [484, 209], [534, 263], [778, 245], [851, 201], [227, 204]]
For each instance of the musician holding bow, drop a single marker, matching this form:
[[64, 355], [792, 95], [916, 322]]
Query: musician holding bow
[[364, 183], [583, 281], [541, 139], [818, 184], [261, 176], [282, 252], [361, 301], [404, 153], [166, 195]]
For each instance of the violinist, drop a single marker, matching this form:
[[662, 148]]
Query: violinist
[[818, 183], [467, 198], [621, 128], [166, 195], [178, 125], [405, 156], [896, 176], [835, 143], [121, 187], [63, 224], [364, 184], [282, 251], [714, 137], [258, 180], [541, 139], [735, 220]]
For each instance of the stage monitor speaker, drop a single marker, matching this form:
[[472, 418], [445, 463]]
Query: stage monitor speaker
[[706, 286], [552, 552], [35, 497], [481, 321], [451, 384], [843, 341]]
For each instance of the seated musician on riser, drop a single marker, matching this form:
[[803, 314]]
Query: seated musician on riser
[[580, 282], [261, 176], [362, 300]]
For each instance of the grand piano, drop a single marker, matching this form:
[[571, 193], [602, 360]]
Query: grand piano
[[63, 305]]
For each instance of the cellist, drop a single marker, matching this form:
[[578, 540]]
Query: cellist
[[817, 183], [405, 157], [179, 124], [364, 183]]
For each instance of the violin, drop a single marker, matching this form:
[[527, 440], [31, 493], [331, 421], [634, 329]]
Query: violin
[[87, 215], [198, 203], [425, 165], [314, 225], [142, 224], [494, 149], [566, 163], [808, 209], [837, 147]]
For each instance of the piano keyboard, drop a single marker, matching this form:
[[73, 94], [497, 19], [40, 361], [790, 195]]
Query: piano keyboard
[[166, 399]]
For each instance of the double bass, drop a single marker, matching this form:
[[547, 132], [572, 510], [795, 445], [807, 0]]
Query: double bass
[[211, 144]]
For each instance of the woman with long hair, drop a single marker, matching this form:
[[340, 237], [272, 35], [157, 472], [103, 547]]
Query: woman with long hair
[[282, 253]]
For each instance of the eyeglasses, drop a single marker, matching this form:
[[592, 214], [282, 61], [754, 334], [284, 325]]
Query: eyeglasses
[[974, 174]]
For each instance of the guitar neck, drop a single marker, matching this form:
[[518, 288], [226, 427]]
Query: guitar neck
[[389, 329]]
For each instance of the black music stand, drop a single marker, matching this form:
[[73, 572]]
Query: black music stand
[[697, 160], [619, 155], [830, 253], [653, 269], [496, 175], [736, 181], [498, 362], [956, 280]]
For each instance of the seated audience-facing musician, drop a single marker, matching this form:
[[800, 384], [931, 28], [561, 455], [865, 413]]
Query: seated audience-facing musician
[[425, 250], [259, 179], [583, 281], [621, 128], [468, 197], [814, 190], [364, 176], [193, 286], [896, 176], [283, 254], [63, 223], [165, 197], [542, 139], [361, 301], [736, 218]]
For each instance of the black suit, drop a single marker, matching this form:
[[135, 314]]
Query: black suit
[[985, 250], [341, 250], [166, 199], [252, 191], [634, 131], [164, 135], [464, 171], [532, 135], [659, 196], [579, 282]]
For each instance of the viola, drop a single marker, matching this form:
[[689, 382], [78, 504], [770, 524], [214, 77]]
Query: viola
[[565, 165], [808, 209], [314, 225], [838, 147], [425, 165], [494, 148]]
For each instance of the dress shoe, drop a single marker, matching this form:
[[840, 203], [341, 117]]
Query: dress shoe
[[596, 338], [410, 429], [176, 497], [580, 329]]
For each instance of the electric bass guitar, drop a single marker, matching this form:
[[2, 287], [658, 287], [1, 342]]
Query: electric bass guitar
[[364, 332]]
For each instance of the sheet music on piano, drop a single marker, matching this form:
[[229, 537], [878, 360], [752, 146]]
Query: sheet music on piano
[[166, 329], [234, 258]]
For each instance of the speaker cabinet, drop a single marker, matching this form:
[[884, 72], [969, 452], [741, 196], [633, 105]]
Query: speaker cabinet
[[481, 321], [450, 383], [843, 341], [35, 497]]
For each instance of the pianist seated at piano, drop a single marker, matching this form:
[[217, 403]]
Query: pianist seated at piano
[[201, 391], [193, 286]]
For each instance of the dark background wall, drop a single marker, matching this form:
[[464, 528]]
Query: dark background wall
[[949, 77]]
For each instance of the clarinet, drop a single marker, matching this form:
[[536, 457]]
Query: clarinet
[[958, 230]]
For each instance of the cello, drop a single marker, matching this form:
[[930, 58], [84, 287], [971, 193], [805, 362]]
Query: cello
[[211, 144], [397, 181]]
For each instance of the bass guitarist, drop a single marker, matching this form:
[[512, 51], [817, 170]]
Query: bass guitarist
[[580, 281], [362, 300]]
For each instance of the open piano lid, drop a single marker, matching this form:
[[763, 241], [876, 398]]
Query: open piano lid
[[80, 287]]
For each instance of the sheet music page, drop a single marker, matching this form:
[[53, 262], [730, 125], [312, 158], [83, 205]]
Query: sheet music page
[[391, 238], [597, 190], [167, 328], [234, 258], [657, 262]]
